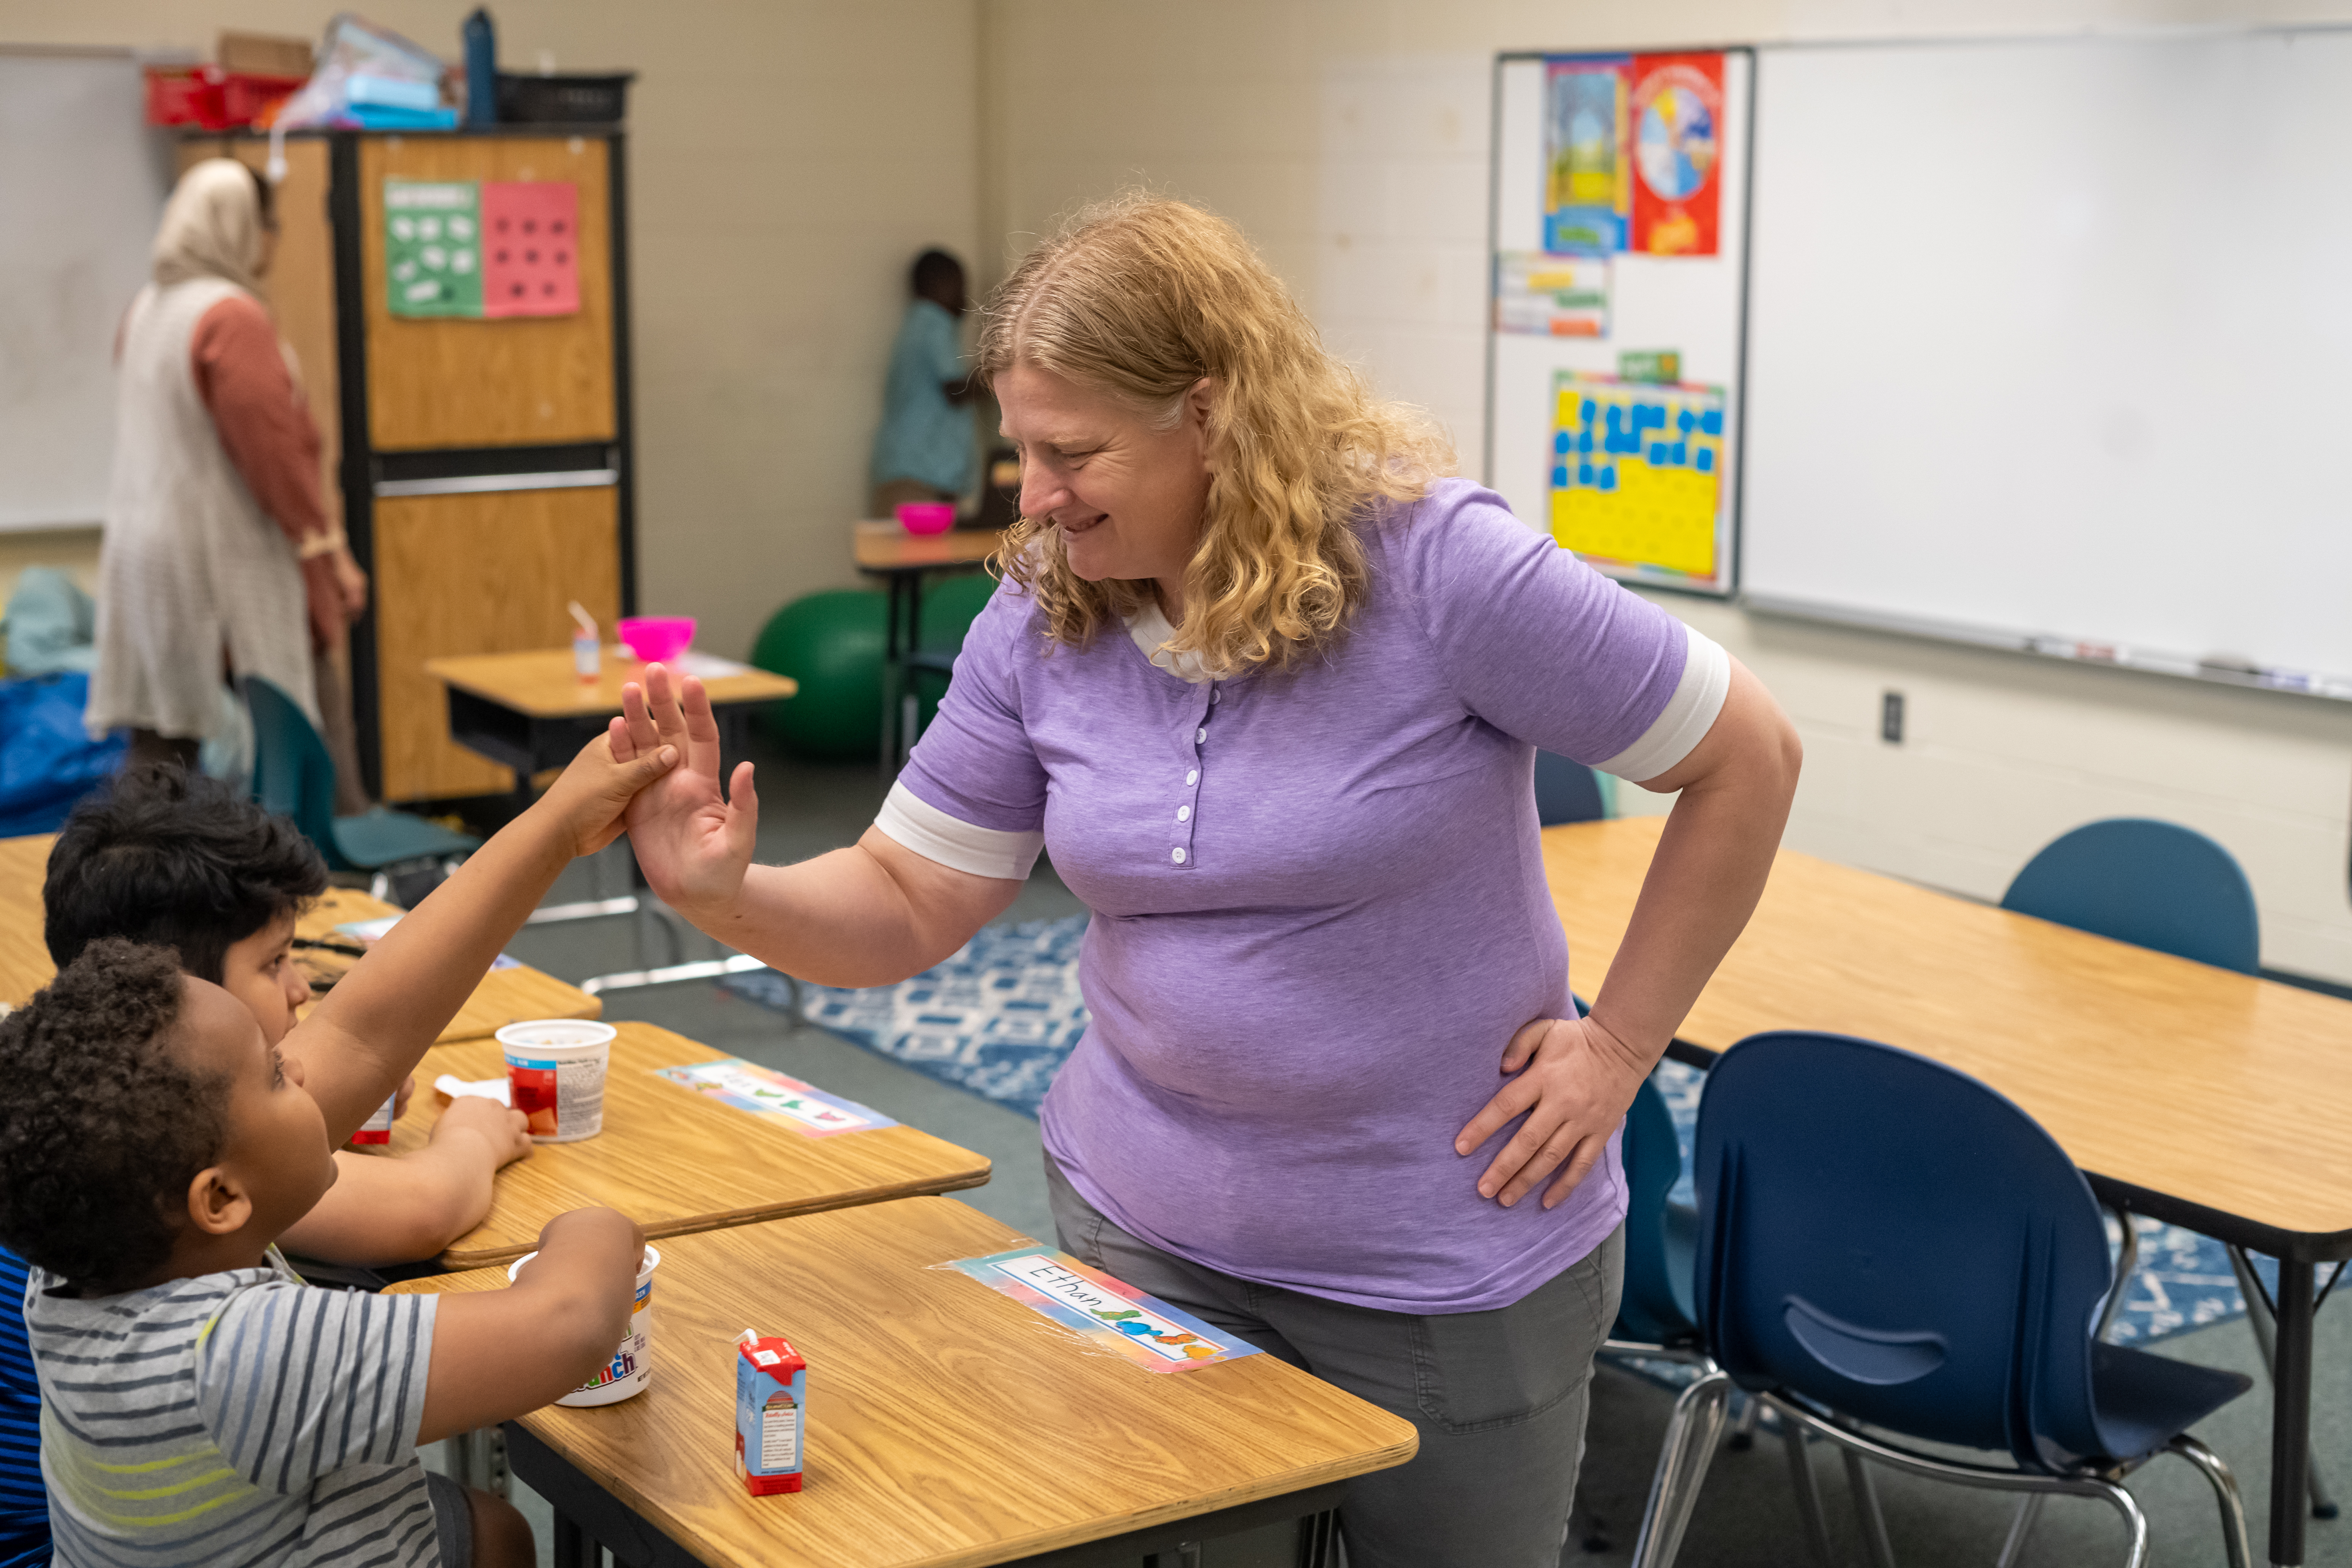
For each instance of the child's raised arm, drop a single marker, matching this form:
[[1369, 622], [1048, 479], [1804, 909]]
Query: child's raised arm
[[375, 1023]]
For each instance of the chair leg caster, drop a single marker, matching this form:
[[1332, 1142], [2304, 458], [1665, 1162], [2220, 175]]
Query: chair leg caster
[[2325, 1511]]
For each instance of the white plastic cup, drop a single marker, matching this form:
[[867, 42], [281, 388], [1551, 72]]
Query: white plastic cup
[[632, 1367], [555, 1075]]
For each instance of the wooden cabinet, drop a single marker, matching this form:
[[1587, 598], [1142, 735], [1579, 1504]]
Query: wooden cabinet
[[551, 546]]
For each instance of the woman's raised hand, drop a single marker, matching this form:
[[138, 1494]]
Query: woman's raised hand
[[693, 845]]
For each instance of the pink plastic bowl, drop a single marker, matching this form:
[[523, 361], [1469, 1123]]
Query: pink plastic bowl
[[925, 516], [655, 639]]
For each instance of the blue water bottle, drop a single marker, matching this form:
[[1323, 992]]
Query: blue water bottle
[[481, 36]]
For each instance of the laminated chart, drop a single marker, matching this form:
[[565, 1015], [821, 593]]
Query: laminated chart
[[1636, 476]]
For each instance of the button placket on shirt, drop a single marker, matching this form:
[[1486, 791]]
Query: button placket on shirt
[[1188, 794]]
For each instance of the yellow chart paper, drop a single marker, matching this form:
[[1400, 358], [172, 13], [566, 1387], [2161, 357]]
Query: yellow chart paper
[[1637, 471]]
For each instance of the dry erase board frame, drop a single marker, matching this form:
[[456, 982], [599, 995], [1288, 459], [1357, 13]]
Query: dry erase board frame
[[1693, 305], [2173, 140]]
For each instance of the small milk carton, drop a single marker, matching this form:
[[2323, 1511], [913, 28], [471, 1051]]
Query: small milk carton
[[771, 1402]]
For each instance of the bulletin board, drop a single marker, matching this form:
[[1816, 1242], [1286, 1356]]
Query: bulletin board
[[1617, 239]]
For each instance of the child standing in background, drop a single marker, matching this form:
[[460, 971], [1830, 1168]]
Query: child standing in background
[[924, 451]]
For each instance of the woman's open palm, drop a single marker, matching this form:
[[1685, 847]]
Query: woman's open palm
[[693, 844]]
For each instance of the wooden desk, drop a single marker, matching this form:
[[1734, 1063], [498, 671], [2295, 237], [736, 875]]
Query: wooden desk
[[902, 561], [676, 1160], [2205, 1098], [503, 995], [531, 710], [947, 1424]]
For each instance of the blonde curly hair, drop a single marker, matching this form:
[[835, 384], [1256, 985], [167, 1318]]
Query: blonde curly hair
[[1141, 297]]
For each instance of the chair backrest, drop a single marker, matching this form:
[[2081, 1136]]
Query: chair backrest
[[292, 773], [1655, 1308], [2155, 884], [1565, 791], [1893, 1239]]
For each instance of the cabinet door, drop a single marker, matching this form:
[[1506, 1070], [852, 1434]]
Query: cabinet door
[[301, 282], [477, 574], [518, 381]]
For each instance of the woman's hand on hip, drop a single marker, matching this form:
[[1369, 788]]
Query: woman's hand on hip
[[693, 844], [351, 583], [1574, 1081]]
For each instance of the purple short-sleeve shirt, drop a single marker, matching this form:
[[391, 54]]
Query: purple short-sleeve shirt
[[1319, 911]]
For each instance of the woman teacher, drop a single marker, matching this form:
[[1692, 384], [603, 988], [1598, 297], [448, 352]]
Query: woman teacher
[[1269, 686]]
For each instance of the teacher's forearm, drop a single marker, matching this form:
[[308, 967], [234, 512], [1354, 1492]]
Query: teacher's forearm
[[872, 914], [1709, 870]]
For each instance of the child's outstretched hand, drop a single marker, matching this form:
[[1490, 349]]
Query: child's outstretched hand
[[693, 844], [590, 796]]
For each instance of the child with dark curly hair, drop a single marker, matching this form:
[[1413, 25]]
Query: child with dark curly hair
[[203, 1405]]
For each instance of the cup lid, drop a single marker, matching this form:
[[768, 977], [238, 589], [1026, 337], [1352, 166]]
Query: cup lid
[[557, 1033]]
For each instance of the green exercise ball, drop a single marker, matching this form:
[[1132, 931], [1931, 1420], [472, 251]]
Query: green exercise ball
[[832, 644]]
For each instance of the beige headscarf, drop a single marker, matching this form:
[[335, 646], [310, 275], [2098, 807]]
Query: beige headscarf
[[212, 227]]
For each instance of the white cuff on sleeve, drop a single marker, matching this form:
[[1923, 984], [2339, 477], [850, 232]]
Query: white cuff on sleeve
[[1689, 714], [914, 823]]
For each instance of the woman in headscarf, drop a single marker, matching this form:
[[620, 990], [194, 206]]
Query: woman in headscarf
[[219, 558]]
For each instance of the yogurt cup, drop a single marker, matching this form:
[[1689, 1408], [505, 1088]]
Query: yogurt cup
[[555, 1075], [632, 1366]]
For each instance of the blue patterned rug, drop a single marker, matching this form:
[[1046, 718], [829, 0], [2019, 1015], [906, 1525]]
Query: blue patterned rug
[[1000, 1018]]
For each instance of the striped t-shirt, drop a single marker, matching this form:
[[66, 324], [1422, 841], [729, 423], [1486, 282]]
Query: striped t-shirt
[[242, 1417]]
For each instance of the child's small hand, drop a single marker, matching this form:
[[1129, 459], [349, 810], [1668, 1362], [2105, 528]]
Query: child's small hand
[[508, 1132], [579, 1234], [595, 790], [402, 1096]]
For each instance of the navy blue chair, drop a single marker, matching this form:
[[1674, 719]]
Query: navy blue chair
[[1565, 791], [2152, 884], [1838, 1180], [294, 776]]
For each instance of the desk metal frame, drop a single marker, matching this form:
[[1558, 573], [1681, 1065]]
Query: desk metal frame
[[902, 635], [589, 1520]]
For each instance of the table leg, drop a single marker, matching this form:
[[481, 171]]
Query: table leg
[[889, 677], [573, 1546], [2291, 1414]]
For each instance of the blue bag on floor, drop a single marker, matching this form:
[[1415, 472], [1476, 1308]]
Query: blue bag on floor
[[48, 761]]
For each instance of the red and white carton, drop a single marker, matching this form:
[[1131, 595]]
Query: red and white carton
[[771, 1406], [375, 1133]]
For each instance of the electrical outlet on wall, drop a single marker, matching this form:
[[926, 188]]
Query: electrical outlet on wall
[[1890, 718]]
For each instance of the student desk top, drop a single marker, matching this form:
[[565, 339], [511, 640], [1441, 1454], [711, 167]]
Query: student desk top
[[531, 711], [947, 1424], [676, 1160], [502, 996], [2194, 1094]]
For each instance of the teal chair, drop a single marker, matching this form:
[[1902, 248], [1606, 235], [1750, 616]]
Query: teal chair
[[1565, 791], [293, 776]]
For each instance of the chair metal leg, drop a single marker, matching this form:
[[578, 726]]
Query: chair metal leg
[[2133, 1520], [2029, 1509], [1809, 1493], [1743, 1431], [2258, 1319], [2225, 1491], [1874, 1518], [2127, 1260], [1683, 1459]]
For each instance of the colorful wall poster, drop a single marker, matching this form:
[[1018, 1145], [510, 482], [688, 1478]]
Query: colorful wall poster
[[459, 247], [1637, 471], [1677, 113], [1557, 296], [763, 1091], [432, 248], [1588, 177], [1112, 1314]]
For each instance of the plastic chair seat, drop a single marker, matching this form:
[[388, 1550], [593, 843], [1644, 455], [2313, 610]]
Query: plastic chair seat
[[381, 838], [2142, 1399], [1681, 1256]]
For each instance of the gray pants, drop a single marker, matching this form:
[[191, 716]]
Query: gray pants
[[1498, 1397]]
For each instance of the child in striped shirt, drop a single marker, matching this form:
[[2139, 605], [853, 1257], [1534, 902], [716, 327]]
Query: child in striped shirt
[[200, 1404]]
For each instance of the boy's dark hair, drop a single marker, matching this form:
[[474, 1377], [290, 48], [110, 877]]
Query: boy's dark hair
[[103, 1125], [174, 859], [933, 266]]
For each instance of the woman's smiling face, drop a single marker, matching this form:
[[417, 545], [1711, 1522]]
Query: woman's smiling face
[[1127, 497]]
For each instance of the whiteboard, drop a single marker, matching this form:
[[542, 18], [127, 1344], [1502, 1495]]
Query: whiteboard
[[2050, 344], [81, 188], [1690, 304]]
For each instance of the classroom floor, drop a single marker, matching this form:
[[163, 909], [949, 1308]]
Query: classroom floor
[[1747, 1516]]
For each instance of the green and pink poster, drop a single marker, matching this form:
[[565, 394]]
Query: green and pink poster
[[481, 250]]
